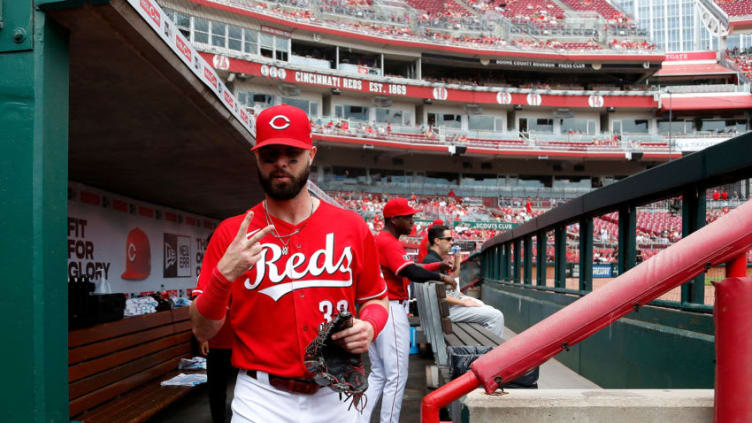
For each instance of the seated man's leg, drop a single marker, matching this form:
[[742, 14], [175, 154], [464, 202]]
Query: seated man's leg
[[494, 319], [491, 318]]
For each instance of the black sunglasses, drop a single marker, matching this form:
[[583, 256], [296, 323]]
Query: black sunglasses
[[445, 237]]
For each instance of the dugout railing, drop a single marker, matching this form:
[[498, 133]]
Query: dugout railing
[[508, 258], [726, 242]]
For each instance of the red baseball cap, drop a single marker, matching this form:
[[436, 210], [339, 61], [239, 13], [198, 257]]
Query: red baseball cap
[[398, 207], [283, 125], [437, 222]]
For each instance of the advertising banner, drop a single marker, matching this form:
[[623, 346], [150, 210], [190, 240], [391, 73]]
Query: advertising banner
[[132, 245], [497, 226], [602, 270], [691, 55], [697, 144]]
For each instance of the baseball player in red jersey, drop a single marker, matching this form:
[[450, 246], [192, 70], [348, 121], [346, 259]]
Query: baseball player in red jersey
[[390, 352], [291, 263]]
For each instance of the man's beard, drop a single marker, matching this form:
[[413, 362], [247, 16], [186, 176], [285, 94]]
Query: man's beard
[[286, 190]]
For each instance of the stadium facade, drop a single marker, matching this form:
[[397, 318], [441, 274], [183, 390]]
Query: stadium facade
[[524, 107]]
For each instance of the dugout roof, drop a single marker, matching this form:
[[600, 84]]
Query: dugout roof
[[143, 125]]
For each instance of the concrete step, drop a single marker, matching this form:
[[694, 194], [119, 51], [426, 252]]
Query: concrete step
[[591, 406]]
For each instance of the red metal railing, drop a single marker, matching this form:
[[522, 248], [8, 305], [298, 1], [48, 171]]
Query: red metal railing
[[724, 241], [732, 317]]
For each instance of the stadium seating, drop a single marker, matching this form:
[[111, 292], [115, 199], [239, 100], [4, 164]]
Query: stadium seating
[[741, 60], [459, 21], [494, 140], [602, 7], [540, 11], [656, 227], [736, 7], [439, 7]]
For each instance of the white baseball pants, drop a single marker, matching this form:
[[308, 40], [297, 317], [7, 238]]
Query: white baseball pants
[[258, 402], [490, 317], [389, 355]]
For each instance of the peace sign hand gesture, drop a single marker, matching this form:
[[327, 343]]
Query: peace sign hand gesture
[[243, 252]]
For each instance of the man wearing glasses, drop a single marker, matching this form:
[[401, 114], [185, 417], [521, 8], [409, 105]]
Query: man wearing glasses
[[462, 308]]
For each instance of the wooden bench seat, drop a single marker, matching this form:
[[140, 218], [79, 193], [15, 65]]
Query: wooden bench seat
[[441, 332], [115, 369]]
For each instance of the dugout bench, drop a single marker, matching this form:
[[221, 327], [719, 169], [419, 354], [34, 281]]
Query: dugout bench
[[115, 369], [441, 332]]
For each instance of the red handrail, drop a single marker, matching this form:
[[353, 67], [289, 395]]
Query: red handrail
[[727, 238], [732, 317]]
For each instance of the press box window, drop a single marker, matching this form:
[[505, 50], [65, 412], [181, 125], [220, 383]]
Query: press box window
[[389, 116], [234, 38], [218, 34], [675, 127], [577, 126], [541, 125], [351, 112], [632, 126], [445, 120], [250, 41], [182, 21], [250, 99], [480, 123], [282, 48], [201, 30], [307, 106], [266, 41]]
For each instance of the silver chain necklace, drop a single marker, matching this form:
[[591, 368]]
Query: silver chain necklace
[[282, 238]]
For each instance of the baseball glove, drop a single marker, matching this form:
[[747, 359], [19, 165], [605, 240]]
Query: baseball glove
[[335, 367]]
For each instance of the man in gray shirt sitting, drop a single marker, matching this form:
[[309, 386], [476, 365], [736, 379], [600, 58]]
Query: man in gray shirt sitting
[[462, 308]]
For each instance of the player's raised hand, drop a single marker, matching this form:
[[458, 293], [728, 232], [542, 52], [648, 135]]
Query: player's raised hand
[[356, 338], [449, 280], [447, 265], [243, 252]]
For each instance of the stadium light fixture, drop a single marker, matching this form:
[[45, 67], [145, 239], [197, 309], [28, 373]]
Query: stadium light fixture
[[336, 91]]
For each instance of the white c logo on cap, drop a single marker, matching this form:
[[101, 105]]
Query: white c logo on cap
[[285, 125], [131, 252]]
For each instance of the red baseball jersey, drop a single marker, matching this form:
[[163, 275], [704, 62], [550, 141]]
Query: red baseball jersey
[[223, 339], [279, 304], [392, 259], [423, 248]]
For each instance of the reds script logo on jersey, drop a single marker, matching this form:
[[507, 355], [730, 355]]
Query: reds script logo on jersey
[[297, 269]]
